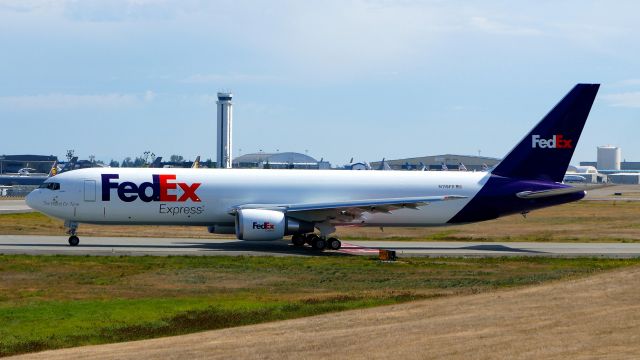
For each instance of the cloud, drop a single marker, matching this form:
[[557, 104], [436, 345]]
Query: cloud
[[149, 96], [68, 101], [226, 78], [332, 40], [23, 6], [103, 11], [122, 10], [627, 99], [626, 82], [495, 27]]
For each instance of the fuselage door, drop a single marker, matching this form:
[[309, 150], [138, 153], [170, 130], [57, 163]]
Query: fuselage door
[[89, 190]]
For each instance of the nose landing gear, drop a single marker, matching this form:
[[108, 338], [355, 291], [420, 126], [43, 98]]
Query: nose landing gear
[[74, 240]]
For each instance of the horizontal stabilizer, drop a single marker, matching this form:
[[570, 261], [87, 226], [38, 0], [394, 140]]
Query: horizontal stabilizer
[[548, 193], [557, 192]]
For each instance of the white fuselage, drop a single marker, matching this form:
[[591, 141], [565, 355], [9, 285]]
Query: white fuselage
[[80, 195]]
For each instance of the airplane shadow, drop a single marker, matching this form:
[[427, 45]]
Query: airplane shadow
[[494, 248]]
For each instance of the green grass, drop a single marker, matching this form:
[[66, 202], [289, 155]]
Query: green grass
[[51, 302]]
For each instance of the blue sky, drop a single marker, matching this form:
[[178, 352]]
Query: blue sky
[[339, 79]]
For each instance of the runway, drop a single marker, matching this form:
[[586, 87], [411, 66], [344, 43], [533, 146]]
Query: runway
[[14, 207], [49, 245]]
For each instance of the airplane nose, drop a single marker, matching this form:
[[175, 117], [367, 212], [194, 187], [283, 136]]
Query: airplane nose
[[30, 199]]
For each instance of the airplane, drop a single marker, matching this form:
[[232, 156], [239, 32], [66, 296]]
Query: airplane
[[71, 165], [574, 179], [54, 169], [26, 171], [263, 205], [461, 167], [157, 162], [384, 165], [196, 163], [444, 167]]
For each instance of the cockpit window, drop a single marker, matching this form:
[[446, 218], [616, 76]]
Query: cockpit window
[[50, 186]]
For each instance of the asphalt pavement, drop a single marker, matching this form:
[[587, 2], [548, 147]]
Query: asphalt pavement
[[48, 245], [14, 207]]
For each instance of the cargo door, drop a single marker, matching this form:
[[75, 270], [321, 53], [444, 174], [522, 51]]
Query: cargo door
[[89, 190]]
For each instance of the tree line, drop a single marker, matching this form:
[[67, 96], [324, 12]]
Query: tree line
[[146, 159]]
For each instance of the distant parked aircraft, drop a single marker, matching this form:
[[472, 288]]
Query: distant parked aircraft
[[384, 165], [574, 179], [196, 163], [157, 163], [26, 171], [54, 169]]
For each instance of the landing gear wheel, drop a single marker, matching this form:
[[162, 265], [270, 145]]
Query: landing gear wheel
[[74, 240], [310, 237], [334, 244], [298, 240], [318, 243]]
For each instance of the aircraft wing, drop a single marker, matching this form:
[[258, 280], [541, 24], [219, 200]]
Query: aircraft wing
[[348, 209]]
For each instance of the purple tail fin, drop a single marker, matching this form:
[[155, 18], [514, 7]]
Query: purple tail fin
[[545, 152]]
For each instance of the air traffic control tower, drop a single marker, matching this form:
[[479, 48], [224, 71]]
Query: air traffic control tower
[[225, 119]]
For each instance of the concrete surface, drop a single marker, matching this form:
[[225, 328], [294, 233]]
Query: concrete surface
[[14, 207], [35, 244]]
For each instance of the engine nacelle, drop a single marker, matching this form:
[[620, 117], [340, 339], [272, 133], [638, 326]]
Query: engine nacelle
[[260, 224]]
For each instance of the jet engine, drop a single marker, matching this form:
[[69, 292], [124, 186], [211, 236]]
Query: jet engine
[[260, 224]]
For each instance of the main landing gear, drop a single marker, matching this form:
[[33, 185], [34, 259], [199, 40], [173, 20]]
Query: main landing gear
[[74, 240], [316, 242]]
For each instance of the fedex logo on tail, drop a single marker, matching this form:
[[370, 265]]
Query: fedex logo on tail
[[161, 188], [556, 142]]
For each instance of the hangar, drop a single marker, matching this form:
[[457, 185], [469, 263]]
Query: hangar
[[279, 160], [39, 163], [434, 162]]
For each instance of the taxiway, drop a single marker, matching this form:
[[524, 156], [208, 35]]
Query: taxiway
[[49, 245]]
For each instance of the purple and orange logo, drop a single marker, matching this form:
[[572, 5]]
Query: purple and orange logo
[[264, 226], [163, 188], [556, 142]]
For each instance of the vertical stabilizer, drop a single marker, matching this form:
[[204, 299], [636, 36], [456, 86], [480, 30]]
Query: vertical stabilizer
[[546, 151]]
